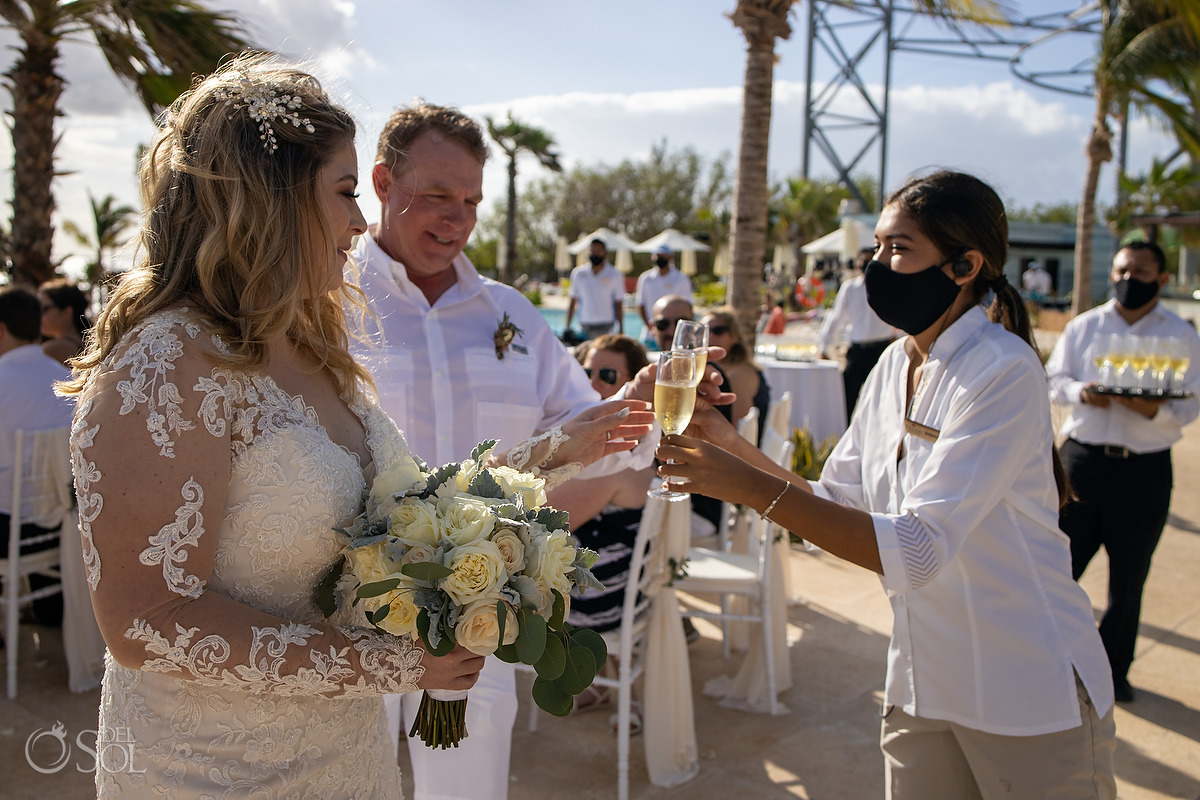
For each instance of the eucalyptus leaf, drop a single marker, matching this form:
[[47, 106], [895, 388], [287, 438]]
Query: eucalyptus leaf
[[376, 588], [531, 640], [586, 637], [426, 571], [559, 611], [554, 659], [579, 672], [508, 654], [378, 615], [325, 593], [552, 699]]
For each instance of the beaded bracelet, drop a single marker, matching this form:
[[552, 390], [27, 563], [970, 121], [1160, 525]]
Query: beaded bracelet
[[786, 485]]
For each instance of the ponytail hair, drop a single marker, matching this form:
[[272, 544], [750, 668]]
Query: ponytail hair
[[959, 212]]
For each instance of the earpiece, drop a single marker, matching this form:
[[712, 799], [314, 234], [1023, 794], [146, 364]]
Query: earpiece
[[961, 266]]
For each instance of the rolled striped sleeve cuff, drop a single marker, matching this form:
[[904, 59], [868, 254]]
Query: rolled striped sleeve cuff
[[905, 550]]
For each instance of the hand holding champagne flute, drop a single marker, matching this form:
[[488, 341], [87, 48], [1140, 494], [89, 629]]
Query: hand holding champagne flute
[[674, 401]]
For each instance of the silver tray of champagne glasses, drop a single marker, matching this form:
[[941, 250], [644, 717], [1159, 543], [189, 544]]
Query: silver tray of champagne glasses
[[1148, 394]]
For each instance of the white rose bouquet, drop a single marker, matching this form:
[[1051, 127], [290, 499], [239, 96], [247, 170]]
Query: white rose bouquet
[[470, 554]]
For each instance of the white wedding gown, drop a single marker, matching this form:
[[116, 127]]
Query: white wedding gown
[[243, 689]]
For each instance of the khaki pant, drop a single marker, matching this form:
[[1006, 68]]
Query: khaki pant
[[935, 760]]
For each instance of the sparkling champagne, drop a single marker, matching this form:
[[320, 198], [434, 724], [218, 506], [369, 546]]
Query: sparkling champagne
[[701, 363], [1139, 361], [1180, 365], [673, 405]]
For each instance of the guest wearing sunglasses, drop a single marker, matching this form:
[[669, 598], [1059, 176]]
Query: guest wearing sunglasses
[[64, 319], [745, 378], [610, 361]]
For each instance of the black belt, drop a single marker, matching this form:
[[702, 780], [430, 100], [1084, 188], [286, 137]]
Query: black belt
[[872, 343], [1113, 450]]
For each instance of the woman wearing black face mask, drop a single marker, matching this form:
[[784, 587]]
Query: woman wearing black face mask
[[946, 485]]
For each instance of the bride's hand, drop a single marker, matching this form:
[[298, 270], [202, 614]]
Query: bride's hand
[[602, 430], [458, 669]]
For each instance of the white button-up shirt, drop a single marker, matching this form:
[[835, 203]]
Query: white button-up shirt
[[600, 294], [989, 627], [436, 368], [652, 285], [1070, 368], [27, 400], [850, 309]]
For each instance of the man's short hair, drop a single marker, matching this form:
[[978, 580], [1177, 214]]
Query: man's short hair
[[600, 242], [407, 123], [1155, 250], [21, 313]]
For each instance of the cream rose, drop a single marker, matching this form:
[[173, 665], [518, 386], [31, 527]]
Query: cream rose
[[465, 519], [416, 521], [401, 619], [417, 552], [478, 571], [396, 479], [478, 630], [370, 564], [551, 560], [512, 550], [531, 488]]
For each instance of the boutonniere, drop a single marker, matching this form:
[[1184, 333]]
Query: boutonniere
[[504, 335]]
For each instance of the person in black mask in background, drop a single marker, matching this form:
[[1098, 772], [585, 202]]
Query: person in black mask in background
[[1118, 450], [945, 484]]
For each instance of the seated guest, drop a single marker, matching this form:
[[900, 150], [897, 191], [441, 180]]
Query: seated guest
[[27, 401], [64, 319], [745, 379]]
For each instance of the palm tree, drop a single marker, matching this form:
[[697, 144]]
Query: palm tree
[[110, 222], [1147, 53], [762, 22], [155, 46], [515, 138]]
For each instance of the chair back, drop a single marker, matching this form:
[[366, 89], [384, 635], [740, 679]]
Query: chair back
[[647, 568], [779, 415], [747, 426]]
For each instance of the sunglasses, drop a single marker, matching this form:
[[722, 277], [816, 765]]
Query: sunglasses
[[718, 330], [662, 324], [607, 374]]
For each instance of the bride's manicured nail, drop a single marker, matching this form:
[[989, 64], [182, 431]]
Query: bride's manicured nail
[[623, 414]]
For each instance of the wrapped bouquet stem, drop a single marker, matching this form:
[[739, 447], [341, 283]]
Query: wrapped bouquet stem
[[470, 554]]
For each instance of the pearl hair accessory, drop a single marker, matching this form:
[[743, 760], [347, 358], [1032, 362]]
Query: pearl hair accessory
[[265, 106]]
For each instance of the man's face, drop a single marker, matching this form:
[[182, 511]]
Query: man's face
[[429, 206], [665, 319], [1138, 265]]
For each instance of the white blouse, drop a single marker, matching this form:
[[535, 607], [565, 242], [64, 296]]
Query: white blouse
[[989, 627]]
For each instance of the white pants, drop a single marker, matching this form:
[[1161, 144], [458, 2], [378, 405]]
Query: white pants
[[478, 768]]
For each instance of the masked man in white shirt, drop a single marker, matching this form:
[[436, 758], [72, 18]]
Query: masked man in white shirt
[[598, 291], [656, 283], [869, 335], [1118, 450], [462, 359]]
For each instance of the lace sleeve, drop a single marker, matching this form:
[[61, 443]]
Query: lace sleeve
[[536, 454], [152, 446]]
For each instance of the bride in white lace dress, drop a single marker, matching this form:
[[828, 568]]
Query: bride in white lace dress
[[222, 432]]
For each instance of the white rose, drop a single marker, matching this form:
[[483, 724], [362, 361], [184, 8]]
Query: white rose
[[478, 629], [416, 521], [552, 560], [401, 619], [418, 552], [465, 519], [478, 571], [371, 564], [532, 489], [512, 550], [396, 479]]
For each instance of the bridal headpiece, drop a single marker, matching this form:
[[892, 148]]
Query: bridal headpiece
[[266, 105]]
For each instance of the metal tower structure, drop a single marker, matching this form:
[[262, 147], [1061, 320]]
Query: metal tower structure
[[845, 119]]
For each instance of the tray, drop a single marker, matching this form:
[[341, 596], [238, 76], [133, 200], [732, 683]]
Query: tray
[[1149, 394]]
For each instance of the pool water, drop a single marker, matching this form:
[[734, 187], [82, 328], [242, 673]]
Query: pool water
[[558, 316]]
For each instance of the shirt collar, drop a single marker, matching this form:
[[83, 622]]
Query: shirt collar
[[965, 329], [468, 280]]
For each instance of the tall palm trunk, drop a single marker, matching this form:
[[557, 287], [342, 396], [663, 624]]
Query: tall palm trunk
[[1099, 150], [761, 27], [508, 273], [35, 86]]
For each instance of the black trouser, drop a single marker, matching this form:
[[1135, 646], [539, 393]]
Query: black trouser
[[46, 610], [861, 358], [1123, 503]]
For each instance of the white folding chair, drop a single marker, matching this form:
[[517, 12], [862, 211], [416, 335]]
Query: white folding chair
[[779, 415], [38, 498], [732, 515], [745, 575], [627, 643]]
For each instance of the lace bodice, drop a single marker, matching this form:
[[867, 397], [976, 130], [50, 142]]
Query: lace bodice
[[208, 498]]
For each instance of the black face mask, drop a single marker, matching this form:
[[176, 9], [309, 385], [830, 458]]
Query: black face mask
[[662, 262], [1133, 294], [596, 260], [910, 301]]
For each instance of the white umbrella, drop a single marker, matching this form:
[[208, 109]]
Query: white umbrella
[[624, 262], [677, 241], [613, 241], [562, 258], [687, 263]]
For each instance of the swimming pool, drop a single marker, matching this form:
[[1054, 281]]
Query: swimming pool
[[558, 316]]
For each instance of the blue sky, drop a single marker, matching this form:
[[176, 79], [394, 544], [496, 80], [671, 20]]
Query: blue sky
[[610, 80]]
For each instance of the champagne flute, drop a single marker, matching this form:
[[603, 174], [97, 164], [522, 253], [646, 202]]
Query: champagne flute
[[1179, 362], [1102, 357], [1120, 359], [1160, 359], [692, 336], [1139, 360], [674, 401]]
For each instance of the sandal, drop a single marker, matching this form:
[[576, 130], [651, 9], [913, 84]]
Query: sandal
[[592, 698], [635, 719]]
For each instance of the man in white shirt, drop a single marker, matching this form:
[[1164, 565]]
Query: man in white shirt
[[598, 290], [869, 335], [449, 382], [1036, 281], [1118, 450], [27, 401], [656, 283]]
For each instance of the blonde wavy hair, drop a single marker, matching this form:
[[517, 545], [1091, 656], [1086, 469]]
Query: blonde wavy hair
[[234, 229]]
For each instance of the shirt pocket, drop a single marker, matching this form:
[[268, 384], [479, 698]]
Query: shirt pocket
[[392, 369], [507, 405]]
